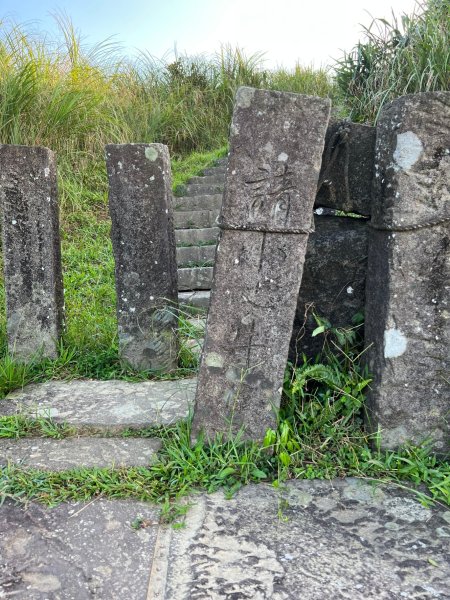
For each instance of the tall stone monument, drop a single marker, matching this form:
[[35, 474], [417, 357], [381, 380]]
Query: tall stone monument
[[140, 204], [408, 280], [276, 146], [31, 250]]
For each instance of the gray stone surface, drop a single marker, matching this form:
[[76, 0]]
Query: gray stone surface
[[78, 452], [196, 299], [276, 145], [104, 406], [212, 178], [193, 237], [31, 251], [195, 278], [213, 201], [194, 189], [342, 539], [347, 168], [408, 282], [195, 254], [275, 148], [140, 204], [195, 219], [215, 170], [76, 551], [333, 282]]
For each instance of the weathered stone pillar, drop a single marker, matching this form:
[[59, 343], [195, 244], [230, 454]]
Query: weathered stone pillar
[[140, 204], [32, 252], [334, 275], [276, 145], [408, 281]]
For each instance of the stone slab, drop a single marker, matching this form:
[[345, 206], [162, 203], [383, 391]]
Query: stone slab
[[348, 162], [196, 189], [256, 281], [104, 406], [196, 219], [408, 278], [31, 251], [78, 452], [215, 178], [193, 237], [196, 278], [195, 254], [195, 299], [342, 539], [208, 202], [76, 551], [276, 145], [215, 170], [143, 239], [333, 281]]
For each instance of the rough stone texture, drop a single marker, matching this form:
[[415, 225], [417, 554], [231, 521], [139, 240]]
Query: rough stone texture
[[31, 250], [140, 203], [408, 291], [213, 201], [340, 539], [198, 299], [76, 453], [76, 551], [347, 168], [104, 406], [275, 147], [195, 278], [333, 282], [193, 237], [195, 254], [195, 189], [195, 219]]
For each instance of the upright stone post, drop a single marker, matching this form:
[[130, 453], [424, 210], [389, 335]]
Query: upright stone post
[[408, 279], [31, 250], [276, 146], [140, 204]]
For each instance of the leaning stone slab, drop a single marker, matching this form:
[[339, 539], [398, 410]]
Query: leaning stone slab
[[82, 550], [31, 250], [345, 181], [104, 406], [79, 452], [333, 282], [275, 149], [140, 203], [408, 281], [341, 539]]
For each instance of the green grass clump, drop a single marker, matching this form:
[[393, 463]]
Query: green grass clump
[[406, 55]]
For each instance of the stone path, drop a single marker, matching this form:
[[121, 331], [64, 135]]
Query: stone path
[[195, 212], [312, 540]]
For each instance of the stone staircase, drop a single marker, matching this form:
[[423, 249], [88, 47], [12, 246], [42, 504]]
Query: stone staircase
[[195, 213]]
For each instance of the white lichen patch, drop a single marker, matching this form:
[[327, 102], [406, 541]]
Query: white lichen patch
[[244, 97], [151, 153], [268, 148], [283, 157], [395, 343], [46, 171], [350, 290], [213, 359], [408, 151]]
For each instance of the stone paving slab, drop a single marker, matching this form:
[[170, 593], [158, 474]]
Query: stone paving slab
[[76, 551], [210, 202], [196, 278], [343, 539], [78, 452], [196, 299], [195, 254], [193, 237], [104, 406], [196, 219]]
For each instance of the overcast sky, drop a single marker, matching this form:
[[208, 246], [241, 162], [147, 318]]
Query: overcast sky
[[307, 31]]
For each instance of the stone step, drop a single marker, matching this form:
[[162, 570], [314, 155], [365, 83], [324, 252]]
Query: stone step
[[194, 237], [195, 255], [104, 407], [216, 178], [205, 202], [79, 452], [197, 219], [220, 170], [196, 189], [198, 299], [196, 278], [222, 161]]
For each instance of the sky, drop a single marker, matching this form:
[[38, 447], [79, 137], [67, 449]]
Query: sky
[[310, 32]]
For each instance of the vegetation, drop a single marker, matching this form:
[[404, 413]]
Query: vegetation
[[407, 55]]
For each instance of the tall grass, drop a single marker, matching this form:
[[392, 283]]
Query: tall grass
[[406, 55]]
